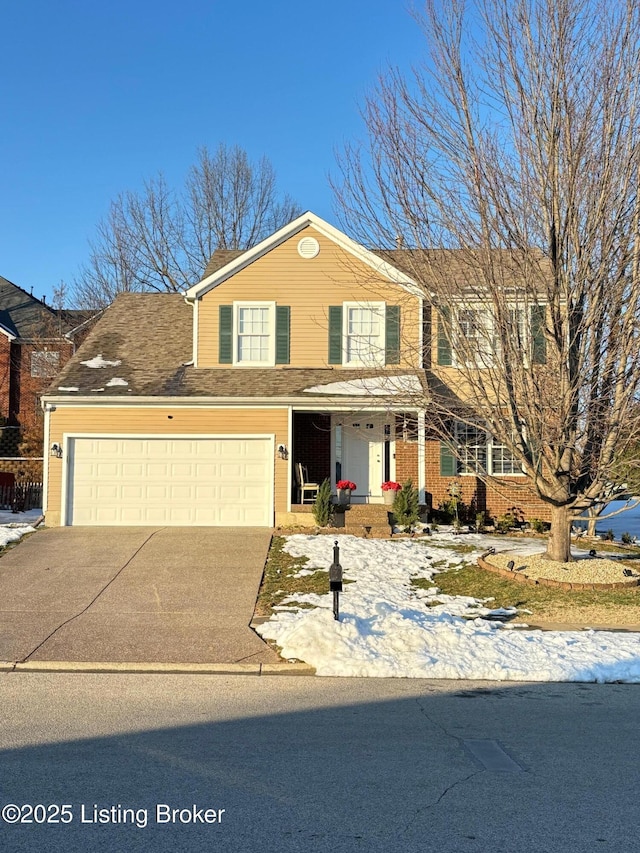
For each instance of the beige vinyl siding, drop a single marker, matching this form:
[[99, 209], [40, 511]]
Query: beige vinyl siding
[[309, 287], [138, 420]]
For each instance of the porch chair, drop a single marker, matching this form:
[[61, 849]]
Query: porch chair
[[304, 486]]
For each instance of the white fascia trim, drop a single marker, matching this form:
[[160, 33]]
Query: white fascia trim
[[296, 403], [290, 230], [290, 459], [196, 305], [10, 335], [46, 458]]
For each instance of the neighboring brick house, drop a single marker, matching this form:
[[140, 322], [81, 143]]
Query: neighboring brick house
[[194, 409], [36, 341]]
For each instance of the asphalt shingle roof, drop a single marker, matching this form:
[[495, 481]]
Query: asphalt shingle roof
[[150, 335], [27, 317]]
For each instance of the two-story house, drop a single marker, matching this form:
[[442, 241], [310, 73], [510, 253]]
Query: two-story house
[[36, 341], [196, 408]]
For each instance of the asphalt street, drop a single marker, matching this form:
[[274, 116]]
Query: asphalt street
[[273, 763]]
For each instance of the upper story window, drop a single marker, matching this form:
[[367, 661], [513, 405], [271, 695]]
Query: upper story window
[[254, 334], [45, 364], [467, 336], [475, 345], [364, 333]]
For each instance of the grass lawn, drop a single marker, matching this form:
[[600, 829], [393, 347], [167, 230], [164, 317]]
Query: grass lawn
[[607, 607], [544, 602], [278, 580]]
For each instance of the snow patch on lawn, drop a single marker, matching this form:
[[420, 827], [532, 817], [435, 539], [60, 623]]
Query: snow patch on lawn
[[388, 627], [13, 534]]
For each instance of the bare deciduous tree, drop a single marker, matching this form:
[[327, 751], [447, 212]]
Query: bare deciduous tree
[[509, 163], [160, 239]]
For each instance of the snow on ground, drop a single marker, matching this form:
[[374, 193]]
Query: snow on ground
[[387, 627], [30, 517]]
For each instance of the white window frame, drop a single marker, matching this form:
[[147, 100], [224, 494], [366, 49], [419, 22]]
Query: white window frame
[[375, 358], [489, 446], [271, 347], [462, 355], [44, 374]]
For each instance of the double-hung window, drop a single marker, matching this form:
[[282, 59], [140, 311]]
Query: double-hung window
[[475, 345], [45, 363], [472, 444], [254, 333], [477, 452], [364, 333]]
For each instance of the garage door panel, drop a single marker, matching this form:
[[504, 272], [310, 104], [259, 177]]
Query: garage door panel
[[203, 481]]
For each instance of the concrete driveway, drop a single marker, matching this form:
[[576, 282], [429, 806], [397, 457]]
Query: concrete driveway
[[133, 594]]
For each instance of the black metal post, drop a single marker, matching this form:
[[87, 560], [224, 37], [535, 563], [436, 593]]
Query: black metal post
[[335, 580]]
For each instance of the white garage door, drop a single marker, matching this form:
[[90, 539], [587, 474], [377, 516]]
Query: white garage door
[[170, 481]]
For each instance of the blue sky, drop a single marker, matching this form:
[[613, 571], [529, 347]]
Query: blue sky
[[96, 97]]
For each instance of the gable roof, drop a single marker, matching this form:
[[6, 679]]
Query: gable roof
[[215, 273], [24, 316], [219, 259]]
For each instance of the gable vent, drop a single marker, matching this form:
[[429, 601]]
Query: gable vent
[[308, 247]]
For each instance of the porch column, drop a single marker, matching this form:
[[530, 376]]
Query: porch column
[[422, 491]]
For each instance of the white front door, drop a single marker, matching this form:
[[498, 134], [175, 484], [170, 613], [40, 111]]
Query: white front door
[[359, 448]]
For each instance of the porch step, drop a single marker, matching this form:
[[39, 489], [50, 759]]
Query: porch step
[[369, 520]]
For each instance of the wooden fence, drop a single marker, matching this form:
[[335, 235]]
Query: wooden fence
[[20, 497]]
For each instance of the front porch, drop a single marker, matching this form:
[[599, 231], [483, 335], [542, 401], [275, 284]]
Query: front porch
[[367, 447]]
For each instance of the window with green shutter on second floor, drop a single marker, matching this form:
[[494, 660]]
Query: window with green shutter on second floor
[[364, 334], [254, 334]]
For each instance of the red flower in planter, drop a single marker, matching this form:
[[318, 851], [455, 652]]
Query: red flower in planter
[[345, 484], [391, 486]]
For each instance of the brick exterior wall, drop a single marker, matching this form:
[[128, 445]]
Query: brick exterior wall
[[29, 389], [5, 375], [512, 492], [25, 470], [407, 461]]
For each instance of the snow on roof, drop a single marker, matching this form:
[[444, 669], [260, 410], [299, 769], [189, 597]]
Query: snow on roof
[[99, 361], [375, 385]]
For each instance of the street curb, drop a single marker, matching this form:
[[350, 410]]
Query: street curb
[[160, 668]]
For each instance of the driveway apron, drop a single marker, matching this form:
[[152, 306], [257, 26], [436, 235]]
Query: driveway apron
[[134, 594]]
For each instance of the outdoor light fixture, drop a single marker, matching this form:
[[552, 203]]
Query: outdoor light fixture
[[56, 450], [510, 565], [283, 453]]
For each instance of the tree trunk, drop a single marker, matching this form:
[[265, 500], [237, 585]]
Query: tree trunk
[[559, 547]]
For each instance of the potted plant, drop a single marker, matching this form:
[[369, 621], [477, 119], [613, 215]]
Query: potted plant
[[345, 487], [389, 491]]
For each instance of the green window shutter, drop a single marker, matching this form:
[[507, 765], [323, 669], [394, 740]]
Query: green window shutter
[[335, 334], [448, 462], [283, 313], [392, 335], [444, 344], [225, 334], [538, 340]]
